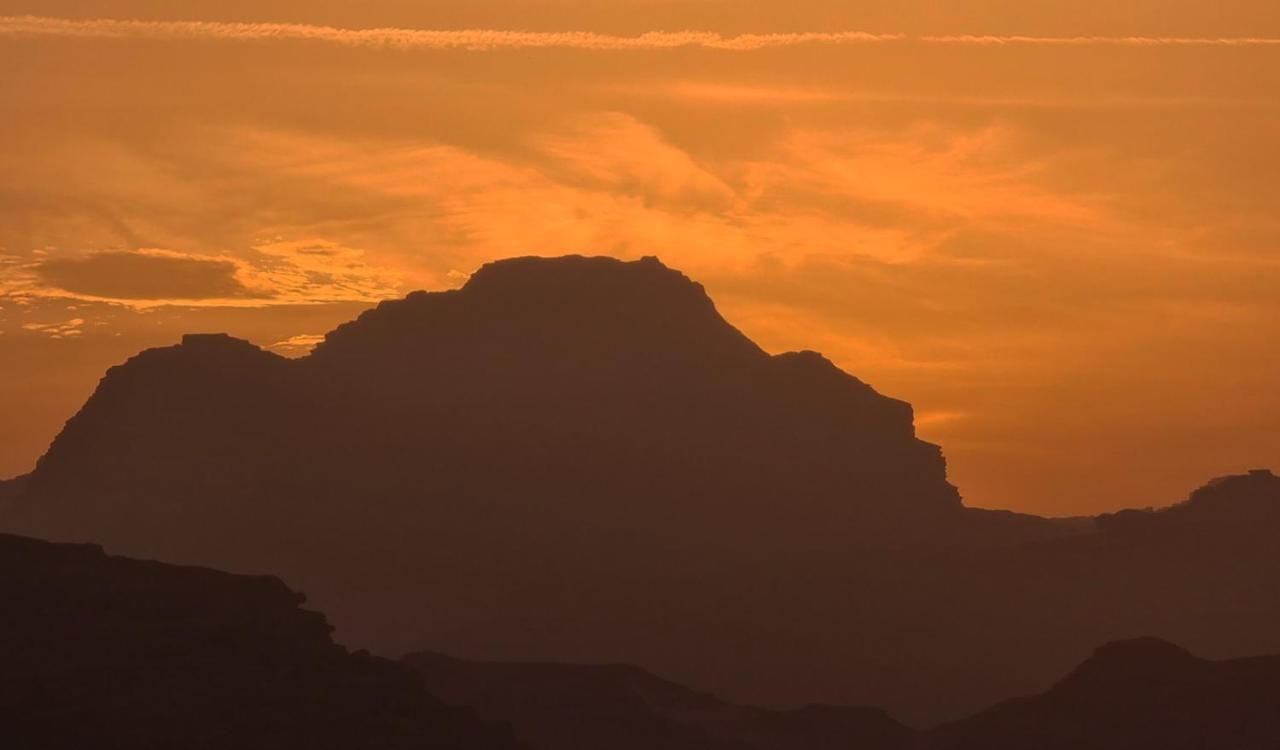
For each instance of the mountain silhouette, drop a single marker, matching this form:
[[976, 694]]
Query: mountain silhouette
[[1227, 510], [1143, 694], [105, 652], [1139, 694], [621, 707], [578, 460], [109, 652]]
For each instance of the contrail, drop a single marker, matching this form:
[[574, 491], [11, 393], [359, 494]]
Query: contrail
[[497, 39]]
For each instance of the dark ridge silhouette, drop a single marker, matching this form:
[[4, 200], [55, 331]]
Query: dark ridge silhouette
[[106, 652], [575, 707], [1140, 694], [579, 460], [1143, 694], [1226, 510]]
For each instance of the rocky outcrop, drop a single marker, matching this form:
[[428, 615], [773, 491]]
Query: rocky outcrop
[[106, 652]]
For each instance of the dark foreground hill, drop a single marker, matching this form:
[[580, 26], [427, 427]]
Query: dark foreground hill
[[579, 460], [103, 652], [620, 707], [1143, 694]]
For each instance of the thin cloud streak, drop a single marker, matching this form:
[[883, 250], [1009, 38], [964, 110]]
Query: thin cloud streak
[[393, 38], [1097, 41], [500, 39]]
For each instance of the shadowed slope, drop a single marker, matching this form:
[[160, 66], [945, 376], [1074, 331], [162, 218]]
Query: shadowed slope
[[105, 652]]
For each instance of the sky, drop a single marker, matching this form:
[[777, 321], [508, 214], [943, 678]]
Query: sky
[[1053, 227]]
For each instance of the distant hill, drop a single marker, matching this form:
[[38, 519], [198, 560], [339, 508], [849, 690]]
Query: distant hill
[[104, 652], [107, 652], [1228, 510], [577, 707], [578, 460], [1143, 694], [1140, 694]]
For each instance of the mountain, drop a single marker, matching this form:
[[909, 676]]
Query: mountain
[[109, 652], [565, 381], [106, 652], [1139, 694], [579, 460], [1228, 510], [1143, 694], [579, 707], [11, 491]]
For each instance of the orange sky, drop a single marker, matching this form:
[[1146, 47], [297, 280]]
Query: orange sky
[[1054, 229]]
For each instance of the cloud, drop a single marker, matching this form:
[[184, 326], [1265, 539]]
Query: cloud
[[298, 344], [309, 271], [609, 182], [939, 417], [617, 152], [143, 275], [1095, 41], [59, 330], [430, 39], [499, 39], [277, 272], [717, 93]]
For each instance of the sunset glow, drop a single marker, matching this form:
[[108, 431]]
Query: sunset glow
[[1056, 232]]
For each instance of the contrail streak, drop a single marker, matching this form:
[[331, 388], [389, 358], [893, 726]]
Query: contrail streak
[[498, 39]]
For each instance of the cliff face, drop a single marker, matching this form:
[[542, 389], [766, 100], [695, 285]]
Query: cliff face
[[105, 652]]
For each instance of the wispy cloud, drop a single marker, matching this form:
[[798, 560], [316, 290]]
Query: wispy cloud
[[58, 330], [298, 344], [395, 38], [1096, 41], [498, 39]]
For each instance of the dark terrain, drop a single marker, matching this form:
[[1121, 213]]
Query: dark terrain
[[579, 460], [1143, 694], [621, 707], [102, 652]]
